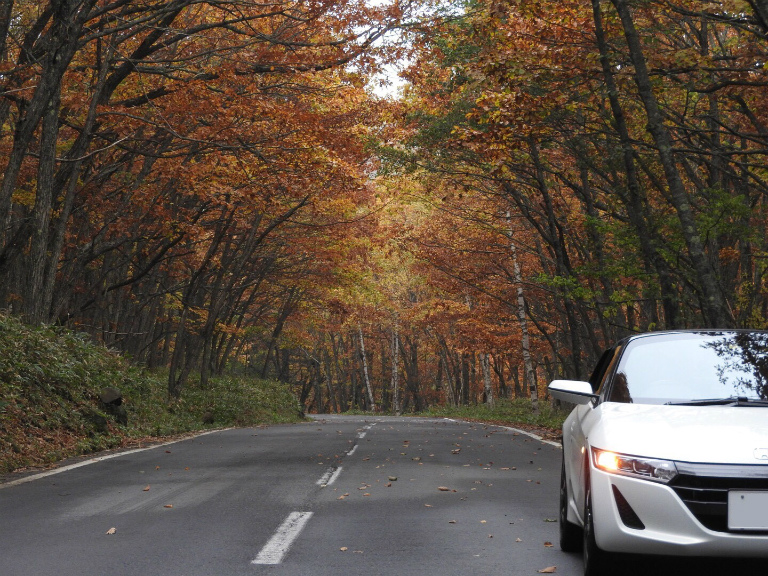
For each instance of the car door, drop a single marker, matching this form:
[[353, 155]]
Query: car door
[[582, 420]]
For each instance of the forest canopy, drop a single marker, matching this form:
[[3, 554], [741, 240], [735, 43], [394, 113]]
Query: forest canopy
[[213, 185]]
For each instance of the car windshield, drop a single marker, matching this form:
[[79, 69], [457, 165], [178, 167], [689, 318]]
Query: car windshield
[[693, 368]]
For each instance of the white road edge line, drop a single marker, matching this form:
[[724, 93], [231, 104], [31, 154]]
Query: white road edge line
[[523, 432], [352, 450], [275, 550], [100, 459]]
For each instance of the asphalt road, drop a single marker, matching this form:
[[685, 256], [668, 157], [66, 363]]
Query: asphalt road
[[339, 496]]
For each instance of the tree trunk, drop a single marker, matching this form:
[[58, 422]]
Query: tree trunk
[[485, 363], [371, 403], [714, 308], [530, 374], [395, 345], [635, 200], [41, 216]]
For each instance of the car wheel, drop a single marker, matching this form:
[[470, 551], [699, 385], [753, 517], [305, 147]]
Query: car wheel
[[596, 561], [570, 534]]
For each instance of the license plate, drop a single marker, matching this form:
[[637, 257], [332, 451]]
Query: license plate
[[747, 510]]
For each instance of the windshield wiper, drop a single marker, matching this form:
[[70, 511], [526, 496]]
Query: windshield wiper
[[731, 401]]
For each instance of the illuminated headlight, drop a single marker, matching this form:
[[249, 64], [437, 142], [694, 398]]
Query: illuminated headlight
[[645, 468]]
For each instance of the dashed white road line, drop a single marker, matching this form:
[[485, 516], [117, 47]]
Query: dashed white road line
[[275, 550], [329, 477]]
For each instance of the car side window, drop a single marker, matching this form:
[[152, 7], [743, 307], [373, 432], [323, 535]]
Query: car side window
[[603, 368]]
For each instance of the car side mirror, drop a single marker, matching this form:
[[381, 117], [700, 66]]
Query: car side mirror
[[573, 391]]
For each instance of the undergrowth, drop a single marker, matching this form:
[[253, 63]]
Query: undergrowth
[[50, 379]]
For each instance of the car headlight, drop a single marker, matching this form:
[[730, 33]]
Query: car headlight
[[646, 468]]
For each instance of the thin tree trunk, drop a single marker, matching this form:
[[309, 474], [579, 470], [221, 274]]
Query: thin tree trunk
[[485, 363], [395, 369], [530, 374], [368, 388]]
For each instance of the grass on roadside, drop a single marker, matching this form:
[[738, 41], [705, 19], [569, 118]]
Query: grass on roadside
[[507, 412]]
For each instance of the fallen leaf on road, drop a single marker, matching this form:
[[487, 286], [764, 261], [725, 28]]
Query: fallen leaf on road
[[518, 540], [427, 505], [549, 520], [443, 489], [548, 570], [548, 545], [505, 468], [366, 494], [146, 489], [483, 521], [451, 521], [111, 531], [343, 549], [393, 478], [168, 506]]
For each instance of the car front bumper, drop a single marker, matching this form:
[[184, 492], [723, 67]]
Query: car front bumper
[[670, 527]]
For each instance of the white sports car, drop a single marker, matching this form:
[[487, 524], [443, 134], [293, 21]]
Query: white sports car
[[666, 451]]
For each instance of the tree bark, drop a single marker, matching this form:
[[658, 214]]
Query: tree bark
[[364, 359], [530, 373], [395, 345], [485, 364]]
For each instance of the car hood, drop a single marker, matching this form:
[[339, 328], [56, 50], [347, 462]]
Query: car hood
[[706, 434]]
